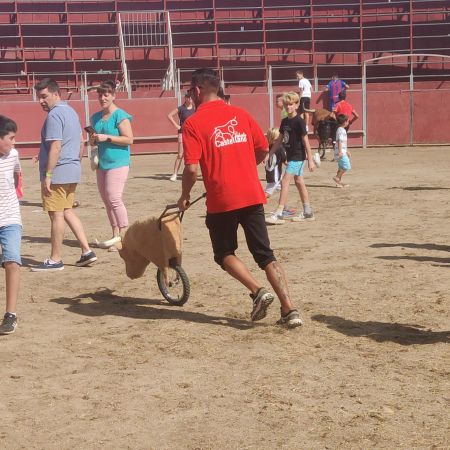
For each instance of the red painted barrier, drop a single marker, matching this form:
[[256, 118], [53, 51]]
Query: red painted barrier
[[430, 125], [388, 118]]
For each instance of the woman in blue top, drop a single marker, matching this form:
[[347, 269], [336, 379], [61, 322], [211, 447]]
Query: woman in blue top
[[113, 135]]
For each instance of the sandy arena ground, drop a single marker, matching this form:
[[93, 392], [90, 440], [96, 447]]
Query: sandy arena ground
[[101, 361]]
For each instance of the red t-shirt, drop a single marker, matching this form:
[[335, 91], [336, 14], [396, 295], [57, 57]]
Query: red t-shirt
[[223, 139], [343, 107]]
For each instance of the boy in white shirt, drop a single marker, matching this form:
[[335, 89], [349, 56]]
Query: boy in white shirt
[[341, 154], [10, 221], [305, 88]]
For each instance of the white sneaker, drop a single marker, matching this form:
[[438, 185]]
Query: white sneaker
[[109, 243], [299, 218], [274, 220], [173, 177]]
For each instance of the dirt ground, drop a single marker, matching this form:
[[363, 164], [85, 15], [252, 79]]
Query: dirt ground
[[101, 361]]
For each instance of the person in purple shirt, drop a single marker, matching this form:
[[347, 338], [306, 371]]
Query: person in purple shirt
[[333, 88]]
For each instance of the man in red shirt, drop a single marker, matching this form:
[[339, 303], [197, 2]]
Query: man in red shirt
[[228, 144], [344, 107]]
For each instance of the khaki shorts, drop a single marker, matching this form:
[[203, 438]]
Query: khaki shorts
[[62, 197]]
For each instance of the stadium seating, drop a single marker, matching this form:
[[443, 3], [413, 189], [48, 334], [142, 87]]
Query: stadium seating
[[67, 38]]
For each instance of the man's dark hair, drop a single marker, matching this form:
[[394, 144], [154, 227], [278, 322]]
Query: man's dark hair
[[227, 97], [206, 79], [7, 126], [341, 119], [342, 95], [47, 83]]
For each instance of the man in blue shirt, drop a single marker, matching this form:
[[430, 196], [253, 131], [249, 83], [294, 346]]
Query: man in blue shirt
[[60, 172], [333, 88]]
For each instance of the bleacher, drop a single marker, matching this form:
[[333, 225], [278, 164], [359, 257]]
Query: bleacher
[[72, 39]]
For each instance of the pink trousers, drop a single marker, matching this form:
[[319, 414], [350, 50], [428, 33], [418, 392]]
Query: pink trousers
[[110, 185]]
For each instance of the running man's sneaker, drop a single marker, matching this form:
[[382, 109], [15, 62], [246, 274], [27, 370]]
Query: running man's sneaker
[[309, 216], [48, 266], [87, 258], [274, 219], [261, 301], [9, 324], [291, 319], [173, 177]]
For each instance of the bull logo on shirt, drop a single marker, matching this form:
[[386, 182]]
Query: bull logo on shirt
[[227, 134]]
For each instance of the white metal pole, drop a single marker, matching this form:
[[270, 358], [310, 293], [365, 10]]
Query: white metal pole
[[270, 92], [86, 111], [175, 79], [34, 90], [169, 35], [316, 79], [178, 93], [126, 80]]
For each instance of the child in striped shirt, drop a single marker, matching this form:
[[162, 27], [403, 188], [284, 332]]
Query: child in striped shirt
[[10, 221]]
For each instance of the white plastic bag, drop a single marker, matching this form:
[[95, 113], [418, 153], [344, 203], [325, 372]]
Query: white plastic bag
[[316, 159], [94, 158]]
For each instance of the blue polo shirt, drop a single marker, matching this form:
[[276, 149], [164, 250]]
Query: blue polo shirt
[[62, 124], [111, 156]]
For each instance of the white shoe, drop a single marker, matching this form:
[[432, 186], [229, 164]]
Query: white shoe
[[274, 220], [299, 218], [173, 177], [109, 243]]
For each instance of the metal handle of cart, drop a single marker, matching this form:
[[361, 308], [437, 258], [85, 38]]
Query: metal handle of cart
[[178, 212]]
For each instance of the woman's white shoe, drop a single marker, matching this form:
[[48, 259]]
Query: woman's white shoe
[[109, 243]]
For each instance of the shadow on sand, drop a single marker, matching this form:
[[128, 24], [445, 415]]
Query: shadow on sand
[[106, 303], [438, 247], [403, 334], [421, 188], [46, 240]]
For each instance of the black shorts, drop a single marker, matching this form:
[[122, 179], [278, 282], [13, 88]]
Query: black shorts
[[305, 103], [223, 233]]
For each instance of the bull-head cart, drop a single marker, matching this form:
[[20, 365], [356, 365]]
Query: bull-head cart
[[159, 240]]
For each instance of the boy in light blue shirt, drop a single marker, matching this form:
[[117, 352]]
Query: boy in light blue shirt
[[341, 154]]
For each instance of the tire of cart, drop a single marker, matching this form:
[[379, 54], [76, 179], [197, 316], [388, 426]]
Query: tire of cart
[[174, 285]]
